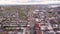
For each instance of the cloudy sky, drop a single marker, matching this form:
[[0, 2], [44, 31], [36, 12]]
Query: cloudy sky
[[18, 2]]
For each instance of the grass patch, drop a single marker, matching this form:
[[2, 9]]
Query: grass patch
[[22, 14], [1, 14]]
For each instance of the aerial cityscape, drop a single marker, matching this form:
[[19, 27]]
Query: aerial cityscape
[[30, 19]]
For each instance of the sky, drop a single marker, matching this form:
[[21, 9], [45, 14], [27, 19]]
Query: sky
[[20, 2]]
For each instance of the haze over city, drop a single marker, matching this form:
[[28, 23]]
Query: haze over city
[[27, 2]]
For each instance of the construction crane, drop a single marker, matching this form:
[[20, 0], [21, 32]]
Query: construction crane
[[44, 20], [37, 28]]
